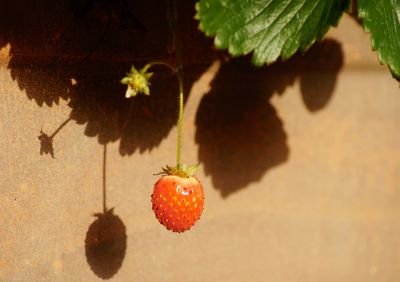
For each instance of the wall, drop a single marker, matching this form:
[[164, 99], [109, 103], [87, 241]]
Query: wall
[[299, 161]]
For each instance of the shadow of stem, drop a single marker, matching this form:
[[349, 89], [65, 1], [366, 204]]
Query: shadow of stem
[[105, 242]]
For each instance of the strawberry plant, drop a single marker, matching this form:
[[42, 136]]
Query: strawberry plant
[[277, 29], [270, 30], [178, 197]]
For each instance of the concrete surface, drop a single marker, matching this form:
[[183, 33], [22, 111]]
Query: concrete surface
[[300, 161]]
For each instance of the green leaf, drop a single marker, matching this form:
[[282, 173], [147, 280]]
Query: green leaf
[[269, 28], [126, 80], [382, 19], [181, 170]]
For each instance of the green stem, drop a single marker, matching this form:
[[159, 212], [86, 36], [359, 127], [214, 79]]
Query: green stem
[[173, 17], [159, 63], [179, 145]]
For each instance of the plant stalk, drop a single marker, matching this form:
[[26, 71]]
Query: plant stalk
[[159, 63], [173, 19]]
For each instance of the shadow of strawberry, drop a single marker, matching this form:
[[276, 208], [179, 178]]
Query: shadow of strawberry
[[105, 244]]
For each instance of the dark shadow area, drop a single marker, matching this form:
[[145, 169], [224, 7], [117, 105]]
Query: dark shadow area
[[46, 144], [46, 141], [139, 123], [318, 77], [239, 133], [105, 242], [353, 12], [77, 51]]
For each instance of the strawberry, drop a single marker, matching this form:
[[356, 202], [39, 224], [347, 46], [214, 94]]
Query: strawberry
[[178, 201]]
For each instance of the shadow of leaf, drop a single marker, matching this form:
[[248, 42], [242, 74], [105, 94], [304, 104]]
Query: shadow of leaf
[[77, 51], [318, 77], [239, 133], [98, 102]]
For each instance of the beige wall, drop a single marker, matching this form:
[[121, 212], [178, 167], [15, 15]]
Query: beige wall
[[300, 164]]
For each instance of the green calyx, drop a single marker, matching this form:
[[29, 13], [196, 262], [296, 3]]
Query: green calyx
[[181, 170], [137, 81]]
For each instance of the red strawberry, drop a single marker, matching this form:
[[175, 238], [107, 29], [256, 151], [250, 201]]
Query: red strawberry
[[178, 201]]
